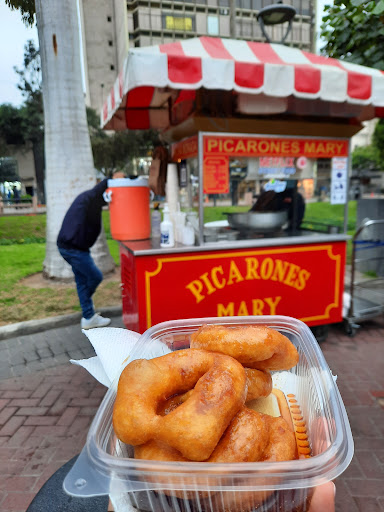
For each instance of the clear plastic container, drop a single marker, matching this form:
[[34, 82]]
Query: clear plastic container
[[107, 466]]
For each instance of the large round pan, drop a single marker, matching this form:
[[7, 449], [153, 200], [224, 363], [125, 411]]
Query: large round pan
[[261, 222]]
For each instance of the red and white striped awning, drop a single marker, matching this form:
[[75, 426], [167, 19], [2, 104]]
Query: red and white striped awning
[[153, 75]]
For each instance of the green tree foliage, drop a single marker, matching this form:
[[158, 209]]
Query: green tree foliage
[[354, 31], [117, 150], [366, 158], [378, 141], [26, 8], [8, 169], [32, 111], [11, 128]]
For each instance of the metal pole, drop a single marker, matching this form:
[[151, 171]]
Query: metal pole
[[348, 183], [201, 188], [232, 18]]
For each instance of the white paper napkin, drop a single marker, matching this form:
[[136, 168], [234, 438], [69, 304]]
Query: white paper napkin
[[113, 347]]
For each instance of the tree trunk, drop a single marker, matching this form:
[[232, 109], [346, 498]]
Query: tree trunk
[[69, 164]]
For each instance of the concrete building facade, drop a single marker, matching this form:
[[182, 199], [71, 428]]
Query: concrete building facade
[[110, 27]]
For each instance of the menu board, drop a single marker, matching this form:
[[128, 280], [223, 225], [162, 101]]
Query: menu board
[[216, 175]]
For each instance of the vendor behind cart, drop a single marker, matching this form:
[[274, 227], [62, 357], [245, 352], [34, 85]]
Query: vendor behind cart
[[289, 199]]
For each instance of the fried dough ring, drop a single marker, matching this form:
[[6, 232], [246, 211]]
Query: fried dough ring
[[254, 346], [259, 384], [250, 437], [196, 426]]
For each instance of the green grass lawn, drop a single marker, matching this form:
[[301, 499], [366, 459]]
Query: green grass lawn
[[31, 228], [22, 252], [331, 214]]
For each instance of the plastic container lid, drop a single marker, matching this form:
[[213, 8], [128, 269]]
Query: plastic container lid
[[138, 181], [106, 465]]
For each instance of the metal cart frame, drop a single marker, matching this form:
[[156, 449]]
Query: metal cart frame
[[366, 294]]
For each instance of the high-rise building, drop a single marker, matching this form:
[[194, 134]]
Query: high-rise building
[[110, 27]]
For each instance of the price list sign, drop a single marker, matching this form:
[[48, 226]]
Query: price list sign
[[216, 175], [339, 181]]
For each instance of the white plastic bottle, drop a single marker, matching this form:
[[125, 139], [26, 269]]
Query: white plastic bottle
[[155, 221], [167, 238]]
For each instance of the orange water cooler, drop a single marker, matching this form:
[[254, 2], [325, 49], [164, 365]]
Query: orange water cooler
[[129, 207]]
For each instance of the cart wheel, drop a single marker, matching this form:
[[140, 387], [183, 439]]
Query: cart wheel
[[350, 328]]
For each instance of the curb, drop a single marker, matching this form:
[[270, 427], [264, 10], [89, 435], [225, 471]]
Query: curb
[[44, 324]]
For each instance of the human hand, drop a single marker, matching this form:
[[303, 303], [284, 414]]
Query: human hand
[[323, 499]]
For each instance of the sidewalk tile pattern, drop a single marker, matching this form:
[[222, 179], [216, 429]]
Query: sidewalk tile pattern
[[46, 410]]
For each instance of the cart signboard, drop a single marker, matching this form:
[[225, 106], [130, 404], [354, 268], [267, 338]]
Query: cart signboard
[[252, 146], [281, 280]]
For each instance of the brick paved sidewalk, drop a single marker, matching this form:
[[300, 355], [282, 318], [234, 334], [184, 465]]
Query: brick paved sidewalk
[[46, 411]]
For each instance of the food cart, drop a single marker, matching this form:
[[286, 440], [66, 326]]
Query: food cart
[[228, 108]]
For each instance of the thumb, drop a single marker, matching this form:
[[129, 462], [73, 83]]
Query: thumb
[[323, 499]]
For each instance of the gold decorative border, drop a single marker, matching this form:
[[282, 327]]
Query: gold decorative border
[[317, 248]]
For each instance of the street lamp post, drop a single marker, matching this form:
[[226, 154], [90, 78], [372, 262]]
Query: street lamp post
[[276, 14]]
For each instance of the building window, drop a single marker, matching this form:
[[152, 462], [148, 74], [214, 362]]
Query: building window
[[109, 18], [213, 25], [112, 67], [178, 22], [244, 4], [135, 18], [110, 43], [257, 5]]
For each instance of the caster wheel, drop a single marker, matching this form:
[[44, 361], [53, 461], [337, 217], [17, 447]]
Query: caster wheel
[[350, 328]]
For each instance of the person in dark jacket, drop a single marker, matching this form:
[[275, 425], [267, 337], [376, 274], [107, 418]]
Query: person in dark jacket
[[79, 231]]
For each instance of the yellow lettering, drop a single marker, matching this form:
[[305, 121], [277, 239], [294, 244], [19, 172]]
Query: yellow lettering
[[291, 275], [309, 147], [240, 146], [226, 311], [252, 264], [285, 147], [228, 145], [275, 146], [340, 147], [320, 148], [234, 274], [257, 307], [252, 146], [215, 279], [207, 282], [266, 268], [279, 270], [272, 304], [263, 146], [302, 279], [196, 287], [243, 311], [212, 144], [295, 147]]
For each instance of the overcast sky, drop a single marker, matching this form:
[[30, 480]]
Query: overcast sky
[[13, 36]]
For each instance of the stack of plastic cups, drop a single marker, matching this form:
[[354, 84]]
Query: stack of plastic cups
[[172, 188], [172, 193]]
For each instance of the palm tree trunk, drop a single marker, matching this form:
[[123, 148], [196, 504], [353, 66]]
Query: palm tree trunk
[[68, 154]]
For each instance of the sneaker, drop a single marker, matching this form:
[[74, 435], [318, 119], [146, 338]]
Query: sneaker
[[96, 321]]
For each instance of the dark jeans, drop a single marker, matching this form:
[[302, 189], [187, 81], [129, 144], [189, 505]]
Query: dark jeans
[[87, 277]]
